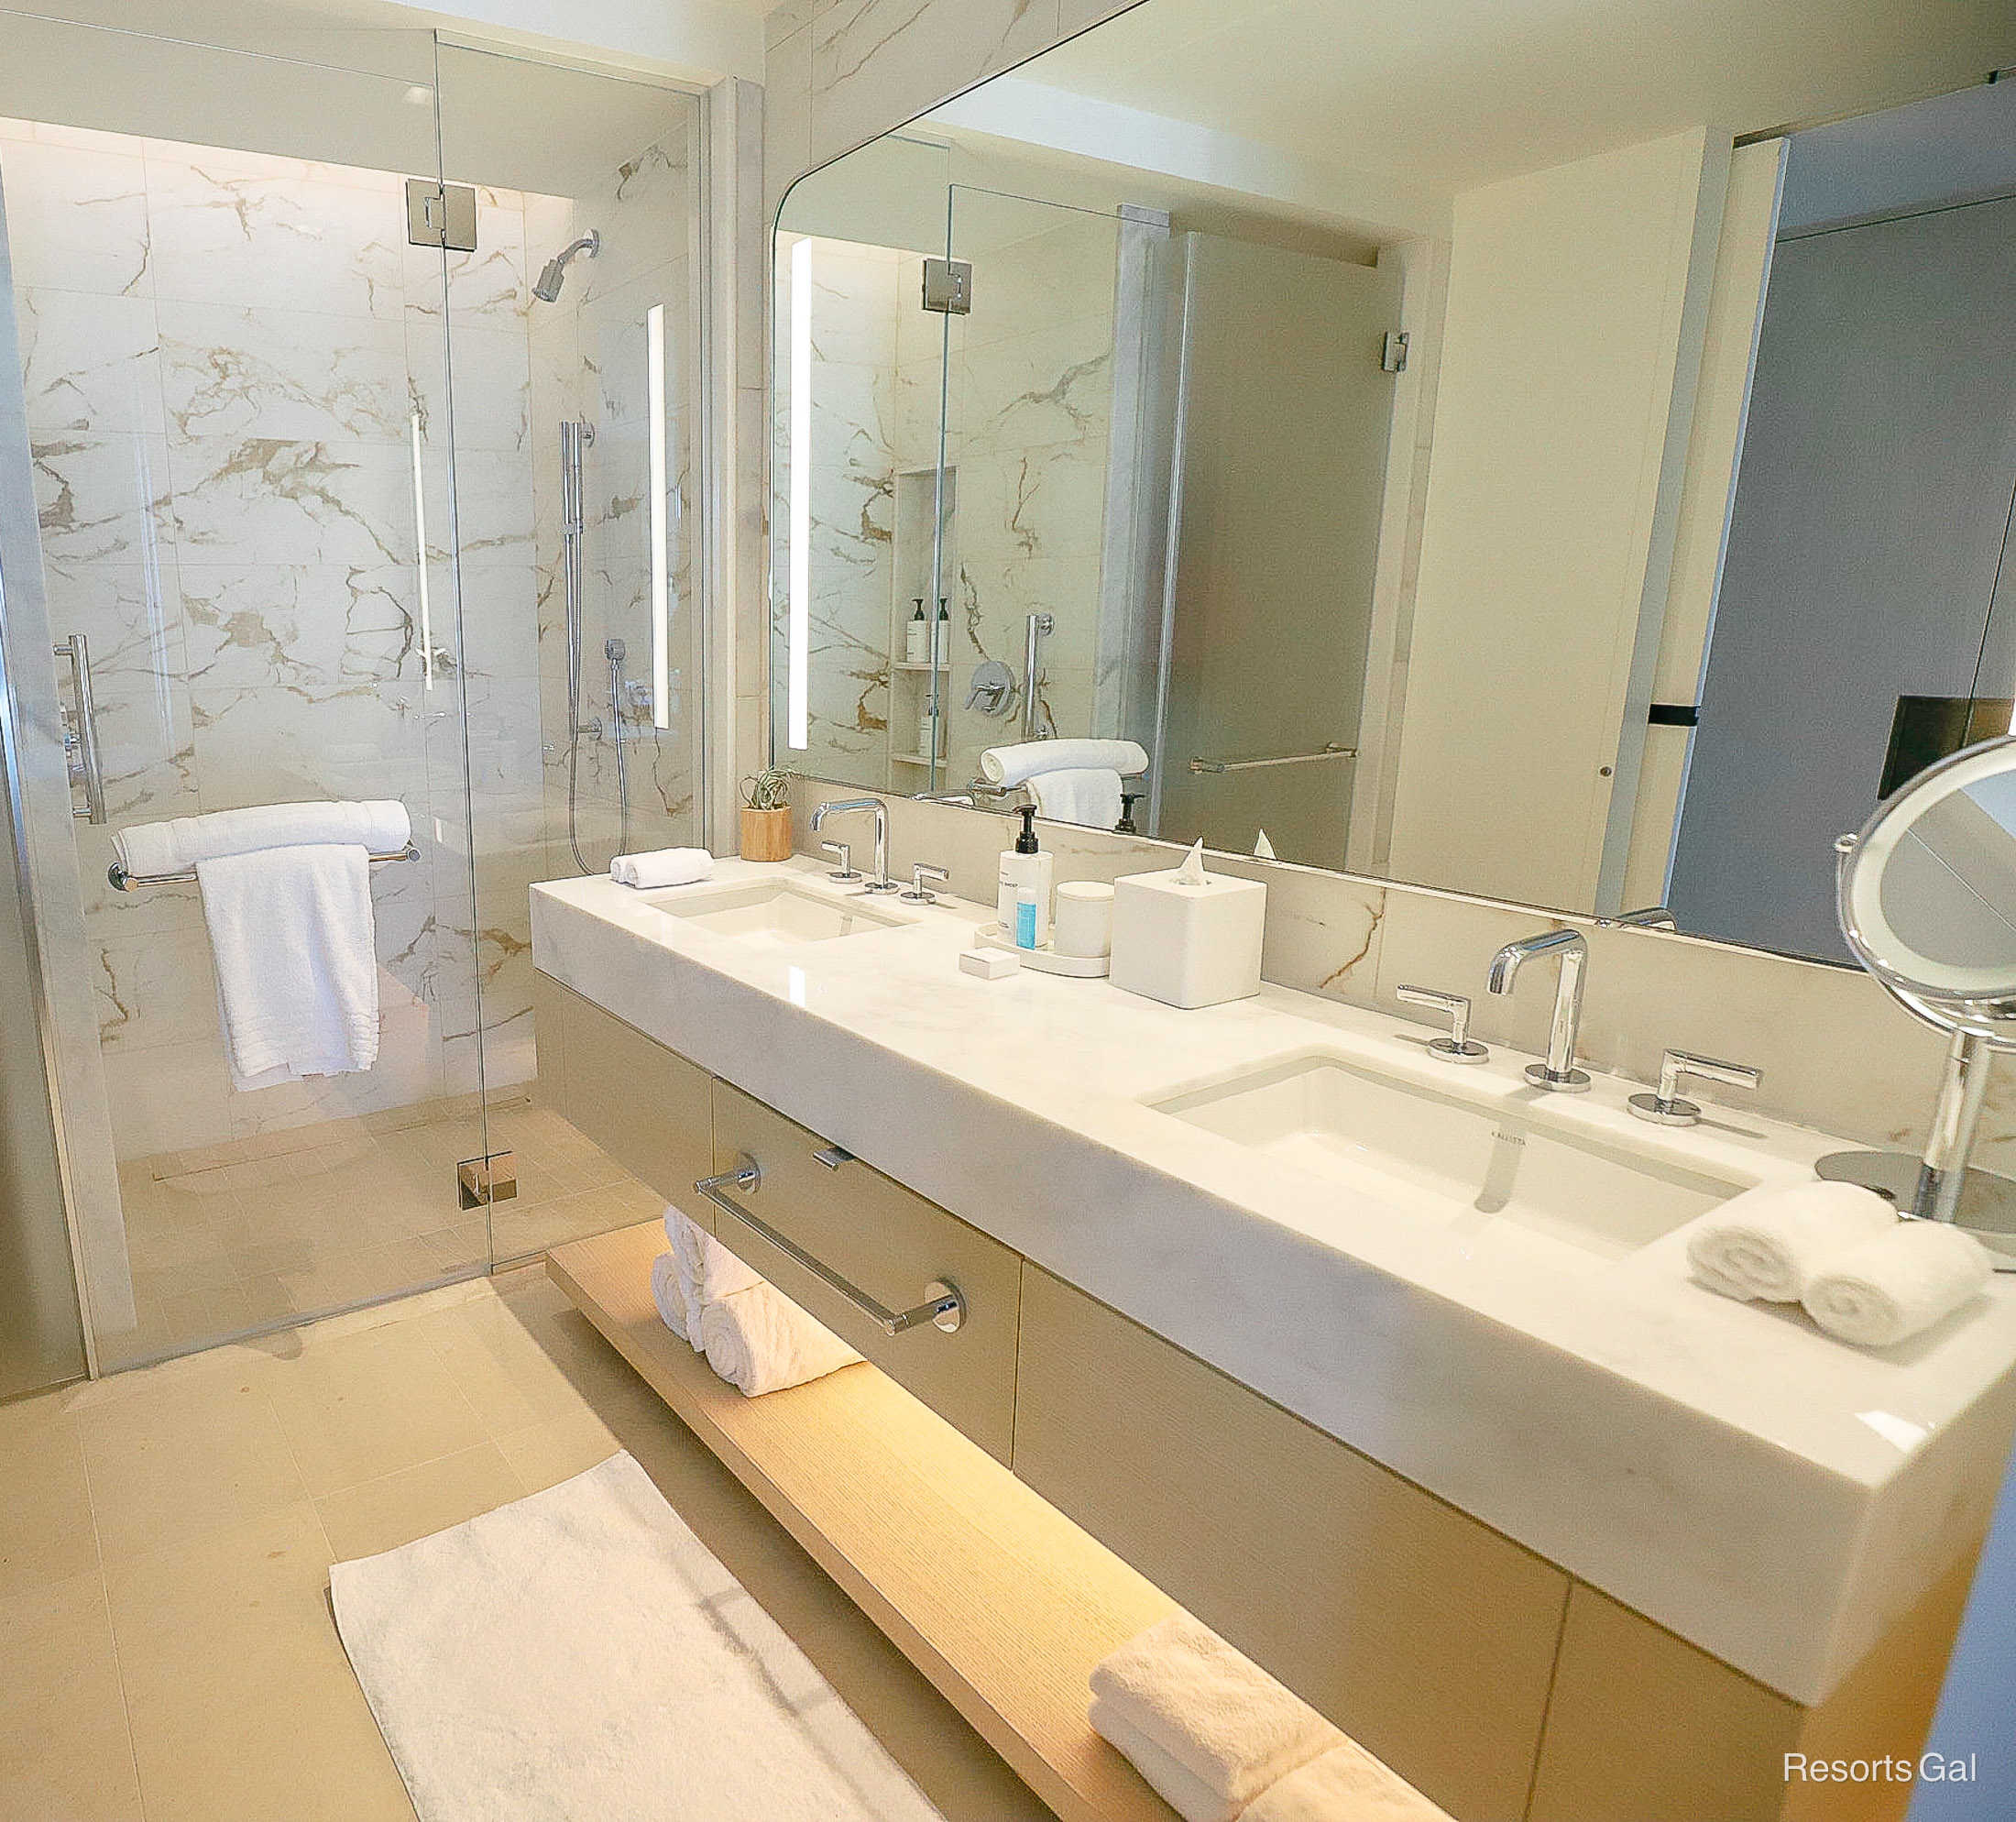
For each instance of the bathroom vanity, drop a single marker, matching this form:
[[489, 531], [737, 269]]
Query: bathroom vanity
[[1391, 1372]]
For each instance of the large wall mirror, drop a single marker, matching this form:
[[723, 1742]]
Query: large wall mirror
[[1559, 454]]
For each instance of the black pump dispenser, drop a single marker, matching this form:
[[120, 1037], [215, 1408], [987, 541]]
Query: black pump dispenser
[[1025, 841]]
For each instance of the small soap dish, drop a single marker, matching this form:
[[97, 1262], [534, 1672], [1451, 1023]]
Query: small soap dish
[[1045, 961]]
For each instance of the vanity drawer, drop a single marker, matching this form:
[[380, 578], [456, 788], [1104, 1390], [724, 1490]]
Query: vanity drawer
[[888, 1242], [1427, 1637], [647, 1106]]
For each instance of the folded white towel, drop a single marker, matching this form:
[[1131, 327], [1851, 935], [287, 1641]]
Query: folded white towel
[[1086, 794], [1181, 1690], [710, 1271], [1769, 1242], [661, 867], [1017, 764], [1895, 1286], [668, 1292], [759, 1341], [174, 847], [292, 940], [1346, 1784], [1179, 1787]]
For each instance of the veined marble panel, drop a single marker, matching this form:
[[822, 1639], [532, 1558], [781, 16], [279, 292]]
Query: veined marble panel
[[278, 744], [50, 189], [294, 374], [101, 498], [89, 362], [316, 627], [278, 500]]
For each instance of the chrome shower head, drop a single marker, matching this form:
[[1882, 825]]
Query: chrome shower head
[[555, 272]]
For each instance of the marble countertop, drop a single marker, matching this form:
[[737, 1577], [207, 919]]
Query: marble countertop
[[1770, 1494]]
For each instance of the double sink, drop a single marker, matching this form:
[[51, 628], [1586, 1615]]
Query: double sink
[[1459, 1162]]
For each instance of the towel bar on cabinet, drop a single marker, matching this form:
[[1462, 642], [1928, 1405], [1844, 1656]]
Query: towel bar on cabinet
[[122, 880]]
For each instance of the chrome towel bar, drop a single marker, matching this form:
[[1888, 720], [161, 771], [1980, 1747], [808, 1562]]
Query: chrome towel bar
[[946, 1310], [1332, 751], [122, 880]]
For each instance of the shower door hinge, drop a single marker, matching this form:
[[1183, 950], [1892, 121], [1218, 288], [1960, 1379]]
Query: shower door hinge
[[948, 287], [441, 214], [480, 1181], [1393, 355]]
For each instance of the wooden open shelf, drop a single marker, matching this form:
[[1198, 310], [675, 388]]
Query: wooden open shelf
[[993, 1594]]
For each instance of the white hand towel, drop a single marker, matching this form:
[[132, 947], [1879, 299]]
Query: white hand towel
[[759, 1341], [1087, 794], [1769, 1242], [1895, 1286], [1346, 1784], [291, 936], [174, 847], [668, 1292], [1181, 1689], [711, 1272], [661, 867], [1018, 764], [1180, 1788]]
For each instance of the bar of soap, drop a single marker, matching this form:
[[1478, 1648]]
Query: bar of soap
[[990, 964]]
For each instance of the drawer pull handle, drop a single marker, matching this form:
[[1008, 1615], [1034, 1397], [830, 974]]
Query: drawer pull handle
[[833, 1157], [946, 1310]]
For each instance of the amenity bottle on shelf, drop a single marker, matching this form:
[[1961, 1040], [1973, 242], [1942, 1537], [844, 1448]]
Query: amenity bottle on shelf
[[916, 637]]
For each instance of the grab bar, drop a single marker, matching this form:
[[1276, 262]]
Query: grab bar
[[122, 880], [945, 1311], [1039, 628], [82, 737], [1331, 750]]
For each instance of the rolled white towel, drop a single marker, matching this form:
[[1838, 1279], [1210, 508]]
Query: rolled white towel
[[661, 867], [759, 1341], [668, 1292], [1346, 1784], [380, 827], [1771, 1242], [710, 1271], [1087, 794], [1899, 1284], [1017, 764], [1182, 1693]]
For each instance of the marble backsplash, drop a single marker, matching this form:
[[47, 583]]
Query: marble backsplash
[[1836, 1052]]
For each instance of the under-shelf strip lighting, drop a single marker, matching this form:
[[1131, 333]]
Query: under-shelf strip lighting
[[419, 533], [798, 715], [661, 580]]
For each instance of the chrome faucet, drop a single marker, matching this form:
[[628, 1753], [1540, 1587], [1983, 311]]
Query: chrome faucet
[[1559, 1072], [1652, 918], [880, 882]]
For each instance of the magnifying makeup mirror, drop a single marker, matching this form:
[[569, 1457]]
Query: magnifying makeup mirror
[[1926, 895]]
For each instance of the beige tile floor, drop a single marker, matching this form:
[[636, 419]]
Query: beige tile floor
[[166, 1647], [236, 1237]]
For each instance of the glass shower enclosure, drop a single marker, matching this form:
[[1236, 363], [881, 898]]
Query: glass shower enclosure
[[352, 378]]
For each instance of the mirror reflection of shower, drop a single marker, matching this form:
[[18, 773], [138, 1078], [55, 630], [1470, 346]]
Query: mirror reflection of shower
[[554, 273]]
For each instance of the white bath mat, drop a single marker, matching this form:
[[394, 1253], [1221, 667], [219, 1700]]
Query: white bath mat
[[580, 1654]]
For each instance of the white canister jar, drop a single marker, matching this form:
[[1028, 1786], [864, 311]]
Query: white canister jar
[[1083, 923]]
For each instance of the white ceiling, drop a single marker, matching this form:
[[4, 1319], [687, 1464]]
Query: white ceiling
[[1457, 93]]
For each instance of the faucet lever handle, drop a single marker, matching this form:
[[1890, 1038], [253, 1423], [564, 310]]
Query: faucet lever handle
[[1457, 1047], [1667, 1108], [919, 893], [839, 850]]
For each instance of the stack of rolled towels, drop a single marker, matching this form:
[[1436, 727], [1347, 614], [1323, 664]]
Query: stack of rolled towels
[[1220, 1740], [661, 867], [1842, 1253], [752, 1333]]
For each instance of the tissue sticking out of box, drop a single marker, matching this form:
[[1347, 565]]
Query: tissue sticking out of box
[[1191, 872], [1263, 850]]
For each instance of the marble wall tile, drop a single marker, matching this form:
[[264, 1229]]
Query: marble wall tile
[[91, 362], [101, 498], [280, 500], [316, 627], [787, 118], [294, 374], [876, 62], [779, 22], [50, 189]]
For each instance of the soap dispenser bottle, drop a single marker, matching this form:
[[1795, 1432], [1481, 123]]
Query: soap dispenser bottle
[[916, 637], [1023, 865]]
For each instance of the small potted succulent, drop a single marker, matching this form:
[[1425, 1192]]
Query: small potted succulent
[[766, 819]]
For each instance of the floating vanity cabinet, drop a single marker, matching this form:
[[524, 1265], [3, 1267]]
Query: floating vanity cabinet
[[647, 1106], [888, 1242], [1427, 1637]]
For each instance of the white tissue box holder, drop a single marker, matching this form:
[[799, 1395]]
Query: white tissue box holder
[[1188, 944]]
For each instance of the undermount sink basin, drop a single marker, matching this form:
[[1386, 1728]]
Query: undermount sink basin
[[1454, 1162], [771, 911]]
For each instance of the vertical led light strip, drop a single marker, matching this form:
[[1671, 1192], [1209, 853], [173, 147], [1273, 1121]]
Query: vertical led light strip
[[798, 717], [661, 580], [419, 533]]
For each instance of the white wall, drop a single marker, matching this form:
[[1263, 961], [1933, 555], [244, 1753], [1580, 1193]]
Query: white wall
[[1576, 301]]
